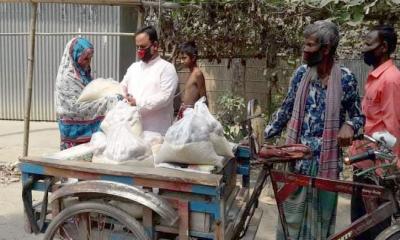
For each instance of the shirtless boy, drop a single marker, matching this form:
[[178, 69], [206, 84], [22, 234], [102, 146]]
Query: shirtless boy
[[195, 86]]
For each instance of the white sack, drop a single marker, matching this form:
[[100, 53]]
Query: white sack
[[98, 142], [99, 88], [123, 145], [189, 153], [122, 113], [188, 140], [221, 145], [154, 139]]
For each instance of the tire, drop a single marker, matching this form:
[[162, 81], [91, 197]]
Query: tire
[[70, 216], [390, 233]]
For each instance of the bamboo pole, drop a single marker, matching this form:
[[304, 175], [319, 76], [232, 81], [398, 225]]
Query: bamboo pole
[[29, 78]]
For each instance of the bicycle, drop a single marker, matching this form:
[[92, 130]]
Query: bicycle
[[387, 191]]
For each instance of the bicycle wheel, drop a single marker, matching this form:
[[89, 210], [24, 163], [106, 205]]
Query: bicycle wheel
[[94, 221], [390, 233]]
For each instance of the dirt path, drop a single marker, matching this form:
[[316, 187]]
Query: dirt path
[[44, 139]]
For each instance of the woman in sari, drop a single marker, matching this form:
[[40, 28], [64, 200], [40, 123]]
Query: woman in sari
[[77, 121]]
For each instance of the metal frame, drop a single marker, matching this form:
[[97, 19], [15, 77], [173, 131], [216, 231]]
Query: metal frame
[[292, 181], [119, 190]]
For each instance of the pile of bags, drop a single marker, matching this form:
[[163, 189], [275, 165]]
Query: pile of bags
[[121, 140], [197, 138]]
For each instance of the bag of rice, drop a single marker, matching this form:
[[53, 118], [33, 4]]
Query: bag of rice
[[121, 113], [99, 88], [221, 145], [122, 146], [189, 140]]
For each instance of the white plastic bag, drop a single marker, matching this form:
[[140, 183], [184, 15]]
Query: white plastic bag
[[213, 125], [188, 140], [98, 142], [122, 113], [221, 145], [81, 152], [122, 146], [99, 88], [154, 139]]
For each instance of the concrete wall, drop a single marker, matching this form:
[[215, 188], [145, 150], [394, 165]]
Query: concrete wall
[[220, 78]]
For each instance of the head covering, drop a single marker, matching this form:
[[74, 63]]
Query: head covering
[[77, 122], [72, 79], [80, 48]]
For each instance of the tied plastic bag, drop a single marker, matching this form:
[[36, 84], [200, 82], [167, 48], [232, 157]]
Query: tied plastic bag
[[154, 139], [98, 142], [99, 88], [189, 140], [221, 145], [122, 113], [123, 146]]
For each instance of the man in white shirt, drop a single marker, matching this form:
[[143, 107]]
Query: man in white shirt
[[150, 84]]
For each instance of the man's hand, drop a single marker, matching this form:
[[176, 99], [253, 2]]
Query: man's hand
[[345, 135], [131, 100]]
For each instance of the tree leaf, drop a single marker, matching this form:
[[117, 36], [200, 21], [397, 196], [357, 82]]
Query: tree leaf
[[325, 2], [358, 14]]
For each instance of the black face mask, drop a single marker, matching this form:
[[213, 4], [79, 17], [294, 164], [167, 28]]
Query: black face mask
[[370, 59], [315, 58]]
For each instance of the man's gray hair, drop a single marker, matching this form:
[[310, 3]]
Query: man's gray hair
[[326, 32]]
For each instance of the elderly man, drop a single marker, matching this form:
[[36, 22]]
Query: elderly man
[[320, 95], [150, 84], [380, 107]]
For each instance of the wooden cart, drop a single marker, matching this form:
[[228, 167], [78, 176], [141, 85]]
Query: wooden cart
[[172, 204]]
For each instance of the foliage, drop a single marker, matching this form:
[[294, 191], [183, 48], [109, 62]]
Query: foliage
[[258, 28], [231, 113]]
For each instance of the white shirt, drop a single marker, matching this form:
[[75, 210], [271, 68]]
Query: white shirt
[[153, 85]]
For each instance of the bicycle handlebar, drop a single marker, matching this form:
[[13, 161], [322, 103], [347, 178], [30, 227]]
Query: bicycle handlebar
[[370, 154]]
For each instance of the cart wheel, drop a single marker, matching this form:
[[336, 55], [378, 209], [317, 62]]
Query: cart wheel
[[390, 233], [90, 220]]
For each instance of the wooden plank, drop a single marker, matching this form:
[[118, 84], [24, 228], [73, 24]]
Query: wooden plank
[[148, 222], [229, 178], [166, 229], [183, 211], [127, 170], [220, 222]]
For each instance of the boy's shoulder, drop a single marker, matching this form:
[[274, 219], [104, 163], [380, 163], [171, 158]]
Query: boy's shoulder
[[197, 72]]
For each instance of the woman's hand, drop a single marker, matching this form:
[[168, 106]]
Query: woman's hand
[[130, 99]]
